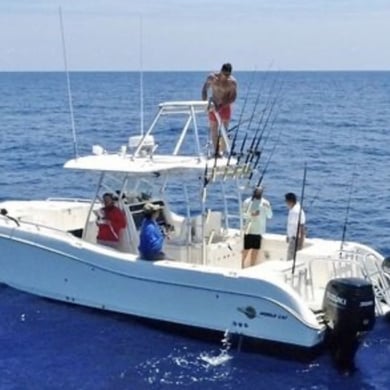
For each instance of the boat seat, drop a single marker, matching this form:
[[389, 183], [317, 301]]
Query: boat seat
[[212, 226]]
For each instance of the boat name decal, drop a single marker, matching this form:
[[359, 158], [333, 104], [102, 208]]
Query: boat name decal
[[250, 312]]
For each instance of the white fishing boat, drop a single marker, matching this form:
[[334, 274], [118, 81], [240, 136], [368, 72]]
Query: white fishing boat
[[49, 248]]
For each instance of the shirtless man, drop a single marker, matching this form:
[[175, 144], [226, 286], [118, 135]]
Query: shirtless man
[[223, 93]]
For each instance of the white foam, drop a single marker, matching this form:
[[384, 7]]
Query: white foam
[[215, 361]]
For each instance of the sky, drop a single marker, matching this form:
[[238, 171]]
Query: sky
[[195, 34]]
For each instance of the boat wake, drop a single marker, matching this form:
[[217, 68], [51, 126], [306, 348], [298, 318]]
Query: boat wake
[[184, 368], [215, 361], [223, 355]]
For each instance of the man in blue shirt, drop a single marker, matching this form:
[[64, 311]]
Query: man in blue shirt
[[151, 237]]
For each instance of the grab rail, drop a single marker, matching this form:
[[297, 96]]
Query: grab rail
[[75, 200], [39, 227], [357, 265]]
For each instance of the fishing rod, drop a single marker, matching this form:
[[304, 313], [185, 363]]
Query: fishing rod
[[275, 103], [141, 75], [231, 152], [260, 181], [258, 153], [250, 118], [347, 212], [299, 231], [267, 130], [259, 129], [217, 148], [230, 129], [255, 135], [257, 100], [258, 156], [250, 83], [315, 197], [240, 155], [258, 96], [70, 100], [205, 180], [255, 151]]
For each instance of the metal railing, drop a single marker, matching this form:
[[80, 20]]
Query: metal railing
[[38, 226], [74, 200], [347, 264]]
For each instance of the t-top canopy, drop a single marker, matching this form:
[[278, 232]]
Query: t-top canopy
[[145, 165], [138, 157], [184, 107], [136, 165]]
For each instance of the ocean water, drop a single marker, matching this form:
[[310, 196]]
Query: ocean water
[[335, 122]]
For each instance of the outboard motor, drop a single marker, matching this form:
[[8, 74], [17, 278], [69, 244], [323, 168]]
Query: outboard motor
[[349, 312]]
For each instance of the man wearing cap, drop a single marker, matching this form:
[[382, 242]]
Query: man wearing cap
[[110, 221], [256, 211], [151, 237], [223, 93]]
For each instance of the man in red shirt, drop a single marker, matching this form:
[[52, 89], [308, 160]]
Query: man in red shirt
[[111, 221]]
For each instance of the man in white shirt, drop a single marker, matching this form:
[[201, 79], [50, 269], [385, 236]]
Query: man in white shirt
[[256, 211], [295, 216]]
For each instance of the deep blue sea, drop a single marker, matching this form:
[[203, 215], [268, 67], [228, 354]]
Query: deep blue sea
[[336, 122]]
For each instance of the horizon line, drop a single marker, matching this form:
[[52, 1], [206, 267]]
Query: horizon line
[[185, 70]]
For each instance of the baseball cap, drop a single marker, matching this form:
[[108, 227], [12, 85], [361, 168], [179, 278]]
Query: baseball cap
[[151, 207]]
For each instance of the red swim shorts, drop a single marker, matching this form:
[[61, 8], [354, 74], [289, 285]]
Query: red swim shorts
[[224, 112]]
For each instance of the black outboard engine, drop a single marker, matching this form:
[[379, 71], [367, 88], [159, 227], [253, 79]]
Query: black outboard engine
[[349, 312]]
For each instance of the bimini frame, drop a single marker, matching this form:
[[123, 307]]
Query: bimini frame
[[189, 108]]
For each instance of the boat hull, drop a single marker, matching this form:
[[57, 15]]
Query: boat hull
[[67, 269]]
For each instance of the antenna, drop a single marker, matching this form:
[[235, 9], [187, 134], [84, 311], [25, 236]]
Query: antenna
[[141, 75], [68, 84]]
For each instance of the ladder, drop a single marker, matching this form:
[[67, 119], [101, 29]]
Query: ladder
[[372, 271], [235, 198], [351, 263]]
